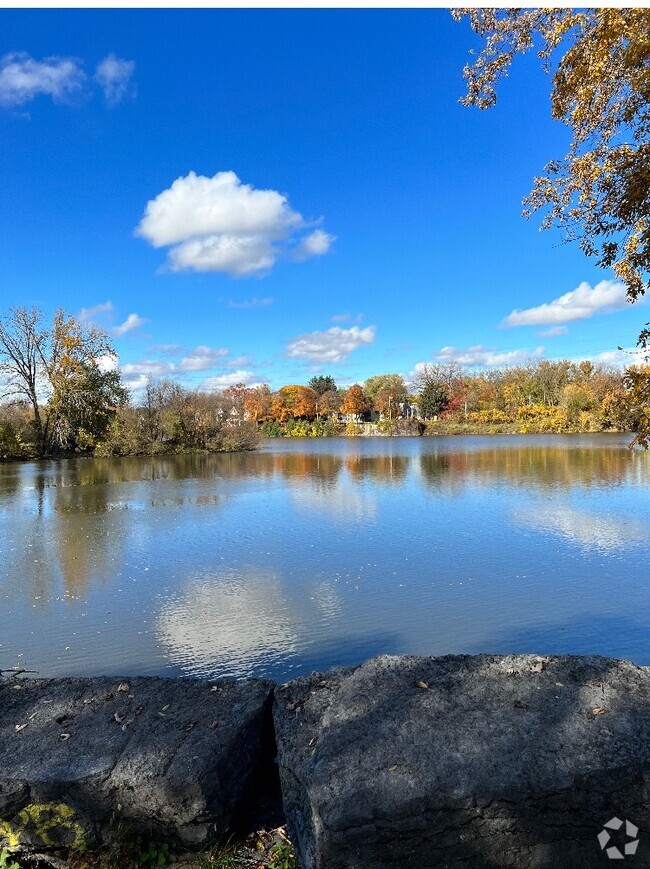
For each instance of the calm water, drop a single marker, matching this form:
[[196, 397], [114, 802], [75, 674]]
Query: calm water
[[313, 553]]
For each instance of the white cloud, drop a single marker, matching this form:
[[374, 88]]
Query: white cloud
[[86, 314], [238, 257], [621, 358], [332, 345], [580, 304], [22, 78], [481, 356], [202, 358], [149, 367], [113, 74], [340, 318], [316, 243], [221, 381], [553, 332], [251, 303], [239, 361], [133, 321], [219, 224]]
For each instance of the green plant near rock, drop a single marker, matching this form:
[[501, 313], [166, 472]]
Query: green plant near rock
[[282, 857], [7, 861], [154, 855]]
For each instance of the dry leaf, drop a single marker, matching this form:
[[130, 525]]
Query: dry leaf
[[190, 725], [392, 768], [312, 742], [118, 717], [65, 736], [124, 688], [20, 727], [422, 684], [165, 708], [598, 710], [18, 687]]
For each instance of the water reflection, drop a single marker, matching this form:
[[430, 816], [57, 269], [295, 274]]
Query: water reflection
[[229, 622], [447, 462], [546, 466], [310, 551], [585, 528]]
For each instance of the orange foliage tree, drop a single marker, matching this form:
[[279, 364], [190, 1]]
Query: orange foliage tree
[[355, 401], [257, 403]]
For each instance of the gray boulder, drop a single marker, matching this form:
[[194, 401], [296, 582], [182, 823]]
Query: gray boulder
[[486, 761], [79, 757]]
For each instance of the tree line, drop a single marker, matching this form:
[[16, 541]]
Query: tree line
[[61, 393]]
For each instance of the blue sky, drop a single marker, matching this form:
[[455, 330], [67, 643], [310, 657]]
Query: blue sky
[[334, 208]]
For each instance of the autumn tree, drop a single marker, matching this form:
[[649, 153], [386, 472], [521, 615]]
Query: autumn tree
[[258, 402], [330, 402], [394, 382], [65, 370], [598, 193], [355, 401], [294, 401]]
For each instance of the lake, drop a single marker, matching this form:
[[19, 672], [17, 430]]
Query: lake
[[313, 553]]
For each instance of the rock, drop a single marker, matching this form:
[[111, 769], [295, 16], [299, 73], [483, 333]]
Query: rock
[[174, 756], [485, 761]]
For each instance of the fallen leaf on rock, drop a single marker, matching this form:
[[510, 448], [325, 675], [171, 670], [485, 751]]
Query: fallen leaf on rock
[[65, 736], [190, 725], [139, 710], [165, 708], [423, 685], [124, 688], [519, 704], [392, 768], [313, 741], [214, 724], [18, 687], [20, 727], [598, 710], [118, 717]]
